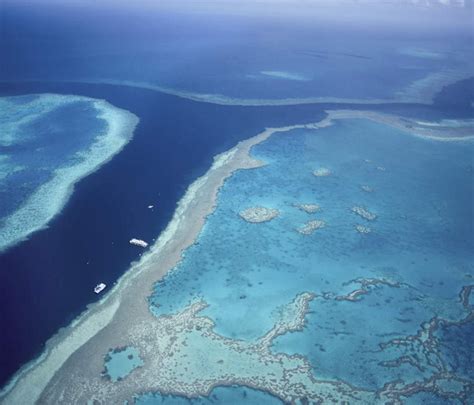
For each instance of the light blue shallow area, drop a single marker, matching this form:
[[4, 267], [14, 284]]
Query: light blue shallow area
[[429, 399], [219, 395], [422, 239], [38, 135], [121, 362]]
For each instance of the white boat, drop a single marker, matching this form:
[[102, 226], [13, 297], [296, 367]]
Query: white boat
[[138, 242], [99, 287]]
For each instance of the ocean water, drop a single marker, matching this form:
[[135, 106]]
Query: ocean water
[[47, 143], [47, 279], [237, 56], [121, 362], [87, 241], [219, 395], [458, 347], [421, 243]]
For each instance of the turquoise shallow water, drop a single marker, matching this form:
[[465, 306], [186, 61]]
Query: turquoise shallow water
[[121, 362], [219, 395], [421, 244]]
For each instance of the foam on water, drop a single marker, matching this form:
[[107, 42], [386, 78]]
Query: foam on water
[[48, 143]]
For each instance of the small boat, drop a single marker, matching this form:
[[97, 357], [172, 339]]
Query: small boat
[[99, 287], [138, 242]]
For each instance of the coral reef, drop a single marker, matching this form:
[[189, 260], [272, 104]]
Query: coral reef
[[259, 214]]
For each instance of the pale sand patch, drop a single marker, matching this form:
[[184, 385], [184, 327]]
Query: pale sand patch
[[126, 306]]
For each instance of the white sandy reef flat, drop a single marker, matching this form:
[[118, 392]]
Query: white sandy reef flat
[[69, 371]]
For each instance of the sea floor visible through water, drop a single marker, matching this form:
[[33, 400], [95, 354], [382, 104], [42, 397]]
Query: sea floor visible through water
[[408, 262], [88, 241], [105, 252]]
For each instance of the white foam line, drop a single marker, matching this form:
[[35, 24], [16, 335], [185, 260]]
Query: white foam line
[[48, 200]]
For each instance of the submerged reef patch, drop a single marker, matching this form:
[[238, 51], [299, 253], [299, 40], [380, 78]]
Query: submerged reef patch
[[182, 354], [186, 331], [60, 139], [277, 74], [322, 172], [363, 229], [364, 213], [257, 215], [311, 226]]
